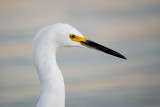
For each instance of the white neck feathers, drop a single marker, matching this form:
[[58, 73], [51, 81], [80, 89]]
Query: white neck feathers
[[51, 80]]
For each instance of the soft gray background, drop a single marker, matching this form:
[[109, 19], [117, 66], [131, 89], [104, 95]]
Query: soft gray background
[[92, 78]]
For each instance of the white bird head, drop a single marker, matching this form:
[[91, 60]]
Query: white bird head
[[45, 45], [64, 35]]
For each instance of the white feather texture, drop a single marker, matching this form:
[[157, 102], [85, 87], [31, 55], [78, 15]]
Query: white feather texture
[[45, 44]]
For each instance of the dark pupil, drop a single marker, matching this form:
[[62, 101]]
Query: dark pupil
[[72, 36]]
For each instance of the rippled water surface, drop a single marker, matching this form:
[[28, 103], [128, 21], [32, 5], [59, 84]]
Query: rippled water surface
[[92, 78]]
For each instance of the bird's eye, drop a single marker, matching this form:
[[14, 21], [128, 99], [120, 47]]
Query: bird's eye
[[72, 36]]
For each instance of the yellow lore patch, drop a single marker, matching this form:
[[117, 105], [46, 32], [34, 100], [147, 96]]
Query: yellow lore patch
[[77, 38]]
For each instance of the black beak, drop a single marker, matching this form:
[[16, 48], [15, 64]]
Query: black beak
[[94, 45]]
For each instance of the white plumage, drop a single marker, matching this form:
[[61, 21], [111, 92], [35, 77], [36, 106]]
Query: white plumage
[[45, 45]]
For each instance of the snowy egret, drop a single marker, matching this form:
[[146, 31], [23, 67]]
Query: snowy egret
[[45, 44]]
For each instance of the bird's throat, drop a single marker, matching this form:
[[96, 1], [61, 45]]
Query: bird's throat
[[52, 92]]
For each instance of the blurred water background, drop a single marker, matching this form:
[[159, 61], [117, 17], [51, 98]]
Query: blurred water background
[[92, 78]]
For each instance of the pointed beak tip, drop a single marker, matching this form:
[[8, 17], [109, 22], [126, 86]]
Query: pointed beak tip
[[125, 58]]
